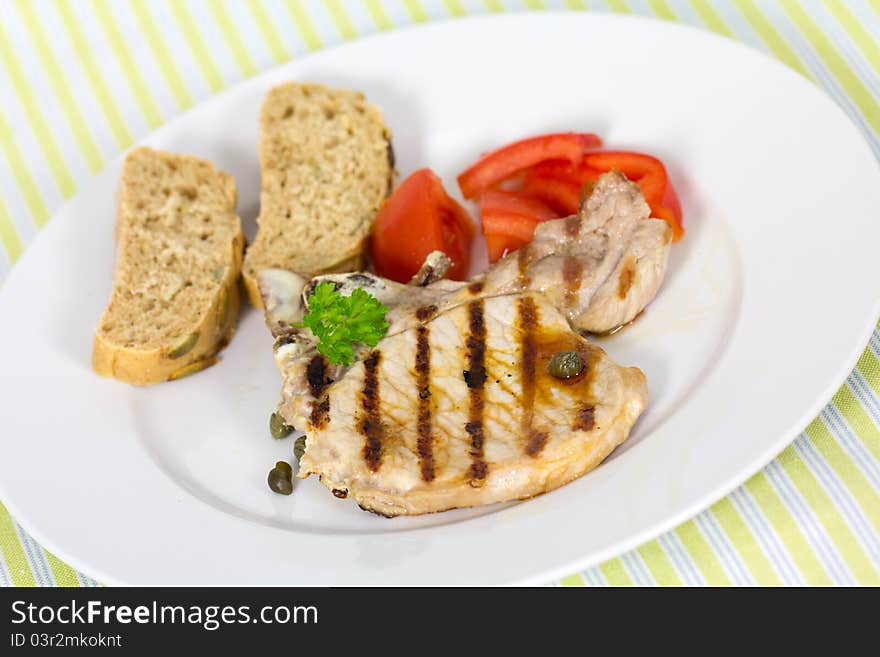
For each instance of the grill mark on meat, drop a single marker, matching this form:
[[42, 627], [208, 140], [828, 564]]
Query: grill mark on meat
[[572, 226], [320, 414], [475, 376], [523, 258], [572, 274], [585, 419], [476, 287], [370, 425], [624, 283], [316, 374], [423, 424], [528, 323], [424, 313]]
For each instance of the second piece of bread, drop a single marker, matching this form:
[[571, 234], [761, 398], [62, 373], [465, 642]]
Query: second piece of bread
[[326, 165]]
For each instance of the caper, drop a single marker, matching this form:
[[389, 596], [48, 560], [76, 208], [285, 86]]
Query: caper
[[299, 447], [278, 427], [281, 478], [566, 364]]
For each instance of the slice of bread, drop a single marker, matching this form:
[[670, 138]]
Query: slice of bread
[[179, 251], [326, 165]]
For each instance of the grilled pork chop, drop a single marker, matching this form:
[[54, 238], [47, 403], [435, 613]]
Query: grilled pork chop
[[455, 406]]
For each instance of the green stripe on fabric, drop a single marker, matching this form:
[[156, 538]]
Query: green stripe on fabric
[[662, 9], [847, 471], [866, 42], [454, 8], [9, 236], [829, 517], [232, 37], [870, 369], [197, 46], [619, 6], [377, 13], [301, 20], [416, 11], [702, 554], [745, 543], [340, 19], [13, 553], [35, 118], [162, 55], [615, 574], [74, 118], [572, 580], [64, 574], [128, 65], [711, 18], [778, 46], [853, 86], [658, 563], [787, 529], [276, 47], [23, 179], [856, 417]]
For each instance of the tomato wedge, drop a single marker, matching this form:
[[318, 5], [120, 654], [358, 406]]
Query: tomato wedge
[[420, 217], [501, 164]]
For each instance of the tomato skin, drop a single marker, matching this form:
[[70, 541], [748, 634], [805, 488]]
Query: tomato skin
[[562, 195], [504, 162], [420, 217], [495, 201]]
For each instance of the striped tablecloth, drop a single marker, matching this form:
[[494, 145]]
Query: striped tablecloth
[[82, 81]]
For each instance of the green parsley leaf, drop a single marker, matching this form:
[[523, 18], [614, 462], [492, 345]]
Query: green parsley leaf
[[339, 322]]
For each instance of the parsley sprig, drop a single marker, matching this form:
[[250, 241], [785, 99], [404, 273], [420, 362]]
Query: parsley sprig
[[339, 321]]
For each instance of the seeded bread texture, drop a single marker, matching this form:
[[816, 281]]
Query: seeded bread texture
[[326, 165], [179, 247]]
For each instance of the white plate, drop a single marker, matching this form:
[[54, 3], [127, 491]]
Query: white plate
[[768, 302]]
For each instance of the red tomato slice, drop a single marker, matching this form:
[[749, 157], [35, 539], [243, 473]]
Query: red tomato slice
[[508, 160], [506, 232], [562, 195], [493, 201], [499, 246], [420, 217]]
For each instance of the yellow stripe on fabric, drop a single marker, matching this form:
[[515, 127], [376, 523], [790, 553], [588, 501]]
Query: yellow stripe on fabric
[[847, 471], [702, 554], [787, 529], [301, 20], [197, 46], [573, 580], [9, 236], [493, 5], [857, 418], [13, 553], [867, 43], [35, 118], [162, 55], [64, 574], [454, 8], [533, 4], [662, 10], [340, 19], [129, 68], [22, 176], [377, 13], [78, 127], [659, 564], [416, 11], [829, 517], [232, 37], [276, 46], [875, 5], [870, 369], [619, 6], [853, 86], [778, 46], [745, 543], [711, 18], [615, 574]]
